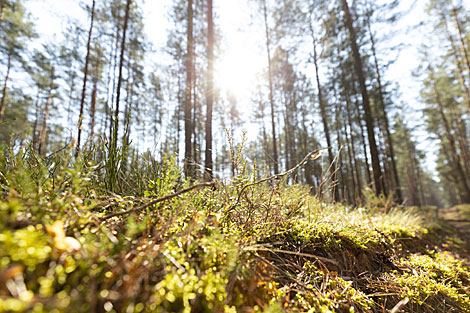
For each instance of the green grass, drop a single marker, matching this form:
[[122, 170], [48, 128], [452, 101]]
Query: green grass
[[230, 248]]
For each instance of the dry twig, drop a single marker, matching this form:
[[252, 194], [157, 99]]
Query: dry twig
[[142, 207]]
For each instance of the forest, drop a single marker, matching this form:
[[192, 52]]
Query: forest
[[260, 156]]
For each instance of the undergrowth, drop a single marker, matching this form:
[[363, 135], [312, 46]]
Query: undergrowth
[[237, 246]]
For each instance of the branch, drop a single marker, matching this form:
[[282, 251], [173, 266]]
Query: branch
[[312, 155], [142, 207]]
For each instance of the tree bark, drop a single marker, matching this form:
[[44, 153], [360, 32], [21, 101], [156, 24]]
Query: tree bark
[[42, 133], [113, 88], [5, 89], [457, 62], [391, 152], [85, 77], [463, 47], [209, 92], [93, 106], [271, 95], [451, 139], [321, 103], [377, 172], [188, 153], [118, 89]]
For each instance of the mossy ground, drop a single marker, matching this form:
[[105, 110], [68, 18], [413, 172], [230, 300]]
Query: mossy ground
[[265, 248]]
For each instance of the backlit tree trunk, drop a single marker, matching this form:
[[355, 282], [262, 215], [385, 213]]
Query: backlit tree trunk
[[209, 91], [188, 153], [271, 95], [85, 77], [377, 172], [5, 88]]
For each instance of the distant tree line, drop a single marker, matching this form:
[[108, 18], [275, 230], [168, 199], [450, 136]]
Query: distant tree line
[[324, 86]]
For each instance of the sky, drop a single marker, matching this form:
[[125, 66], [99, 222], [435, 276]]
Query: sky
[[242, 55]]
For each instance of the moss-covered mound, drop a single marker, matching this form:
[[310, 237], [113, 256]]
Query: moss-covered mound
[[232, 247]]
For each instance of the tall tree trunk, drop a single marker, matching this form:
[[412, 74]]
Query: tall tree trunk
[[85, 76], [93, 107], [364, 144], [457, 62], [353, 150], [306, 149], [42, 133], [195, 131], [286, 140], [188, 128], [69, 108], [391, 151], [113, 88], [94, 93], [451, 139], [321, 103], [119, 83], [112, 52], [354, 196], [209, 92], [463, 47], [36, 122], [377, 172], [271, 91], [5, 88]]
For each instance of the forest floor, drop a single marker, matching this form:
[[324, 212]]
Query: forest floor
[[458, 221], [157, 244]]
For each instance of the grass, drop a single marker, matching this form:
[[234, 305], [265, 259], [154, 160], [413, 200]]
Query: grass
[[231, 248]]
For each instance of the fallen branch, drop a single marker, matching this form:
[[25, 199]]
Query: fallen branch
[[142, 207], [308, 255], [399, 305]]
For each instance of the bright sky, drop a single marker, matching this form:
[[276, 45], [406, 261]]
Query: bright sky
[[243, 55]]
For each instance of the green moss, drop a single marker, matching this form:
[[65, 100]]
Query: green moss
[[227, 249]]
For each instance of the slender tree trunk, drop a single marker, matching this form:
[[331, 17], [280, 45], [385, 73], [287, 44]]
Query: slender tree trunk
[[119, 83], [353, 190], [339, 179], [93, 107], [188, 153], [85, 77], [5, 89], [353, 150], [364, 144], [209, 92], [271, 91], [457, 62], [286, 139], [377, 171], [128, 107], [450, 138], [321, 103], [112, 49], [463, 47], [461, 138], [36, 122], [414, 173], [292, 133], [306, 149], [195, 131], [113, 90], [391, 152], [42, 133], [353, 147], [72, 89]]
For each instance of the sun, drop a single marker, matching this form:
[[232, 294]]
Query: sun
[[238, 71]]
